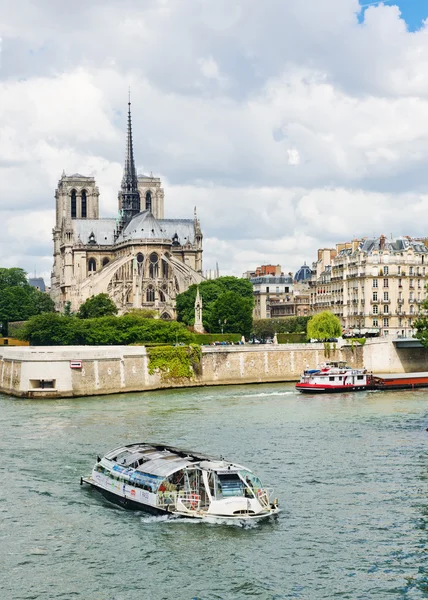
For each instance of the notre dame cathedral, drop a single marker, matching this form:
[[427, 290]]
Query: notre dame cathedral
[[140, 259]]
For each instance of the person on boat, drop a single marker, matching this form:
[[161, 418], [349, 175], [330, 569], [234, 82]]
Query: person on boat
[[249, 492]]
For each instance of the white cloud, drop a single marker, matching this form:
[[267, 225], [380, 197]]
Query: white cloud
[[289, 125]]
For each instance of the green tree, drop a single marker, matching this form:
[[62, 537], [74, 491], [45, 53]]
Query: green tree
[[421, 323], [14, 277], [41, 302], [265, 328], [100, 305], [18, 300], [210, 291], [324, 325], [232, 314]]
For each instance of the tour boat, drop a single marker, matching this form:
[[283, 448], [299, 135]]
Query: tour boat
[[335, 377], [164, 480]]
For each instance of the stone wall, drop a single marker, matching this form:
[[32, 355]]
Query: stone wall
[[47, 372], [381, 355]]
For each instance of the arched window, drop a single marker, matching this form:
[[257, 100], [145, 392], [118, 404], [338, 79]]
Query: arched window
[[149, 200], [154, 266], [161, 296], [92, 265], [105, 261], [150, 294], [84, 204], [165, 271], [73, 204], [165, 316]]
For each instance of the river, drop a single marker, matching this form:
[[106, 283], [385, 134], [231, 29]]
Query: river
[[349, 470]]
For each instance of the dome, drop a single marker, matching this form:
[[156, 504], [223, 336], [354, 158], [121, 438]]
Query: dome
[[303, 274]]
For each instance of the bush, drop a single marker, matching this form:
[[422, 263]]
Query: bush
[[266, 328], [52, 329], [291, 338], [180, 362], [209, 338]]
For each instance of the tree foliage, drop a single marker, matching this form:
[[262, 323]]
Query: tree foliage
[[266, 328], [18, 300], [324, 325], [421, 323], [231, 313], [213, 311], [175, 363], [55, 329], [100, 305]]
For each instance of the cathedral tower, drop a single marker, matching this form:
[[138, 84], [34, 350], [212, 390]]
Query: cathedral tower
[[129, 196]]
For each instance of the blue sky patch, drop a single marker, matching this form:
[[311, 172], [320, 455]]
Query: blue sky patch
[[413, 11]]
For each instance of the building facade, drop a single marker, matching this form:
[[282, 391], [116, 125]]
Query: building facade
[[373, 285], [140, 259]]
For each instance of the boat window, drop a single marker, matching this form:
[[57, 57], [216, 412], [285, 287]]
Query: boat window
[[331, 378], [360, 377], [340, 379], [230, 485], [251, 480]]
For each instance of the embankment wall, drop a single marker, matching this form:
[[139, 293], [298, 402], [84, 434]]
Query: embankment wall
[[46, 371]]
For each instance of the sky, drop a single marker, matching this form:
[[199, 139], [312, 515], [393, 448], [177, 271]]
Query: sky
[[290, 125]]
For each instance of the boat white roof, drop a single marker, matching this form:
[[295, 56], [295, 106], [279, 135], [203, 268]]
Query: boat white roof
[[163, 467], [154, 459]]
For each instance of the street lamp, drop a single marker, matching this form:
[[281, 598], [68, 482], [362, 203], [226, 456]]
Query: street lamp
[[222, 323]]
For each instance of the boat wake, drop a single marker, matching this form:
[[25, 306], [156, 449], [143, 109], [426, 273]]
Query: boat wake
[[266, 394], [171, 519]]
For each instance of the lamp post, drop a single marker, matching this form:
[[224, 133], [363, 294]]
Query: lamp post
[[222, 324]]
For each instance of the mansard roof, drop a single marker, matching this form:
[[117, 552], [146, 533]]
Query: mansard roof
[[393, 245]]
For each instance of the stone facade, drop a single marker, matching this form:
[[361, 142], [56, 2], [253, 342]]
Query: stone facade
[[140, 259], [373, 284]]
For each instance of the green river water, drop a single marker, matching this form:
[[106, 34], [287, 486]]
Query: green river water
[[349, 470]]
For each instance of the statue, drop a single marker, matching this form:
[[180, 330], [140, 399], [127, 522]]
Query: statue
[[198, 326]]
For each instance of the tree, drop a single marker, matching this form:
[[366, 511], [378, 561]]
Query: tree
[[265, 328], [210, 291], [41, 302], [324, 325], [14, 277], [100, 305], [18, 300], [421, 323], [232, 314]]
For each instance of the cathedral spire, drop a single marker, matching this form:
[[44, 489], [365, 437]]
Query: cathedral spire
[[129, 194]]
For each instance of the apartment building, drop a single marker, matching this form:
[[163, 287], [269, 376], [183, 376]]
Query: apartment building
[[373, 284], [269, 290]]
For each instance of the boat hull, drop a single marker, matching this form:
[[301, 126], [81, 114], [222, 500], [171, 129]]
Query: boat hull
[[307, 388], [130, 504], [125, 502]]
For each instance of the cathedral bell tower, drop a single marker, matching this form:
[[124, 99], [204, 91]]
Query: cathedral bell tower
[[129, 196]]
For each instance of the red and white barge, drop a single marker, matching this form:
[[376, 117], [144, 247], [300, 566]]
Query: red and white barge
[[334, 377]]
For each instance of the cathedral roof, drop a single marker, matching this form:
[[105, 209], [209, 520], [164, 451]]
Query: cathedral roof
[[103, 230], [146, 226], [142, 226]]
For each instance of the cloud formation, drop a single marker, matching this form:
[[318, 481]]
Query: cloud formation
[[289, 125]]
